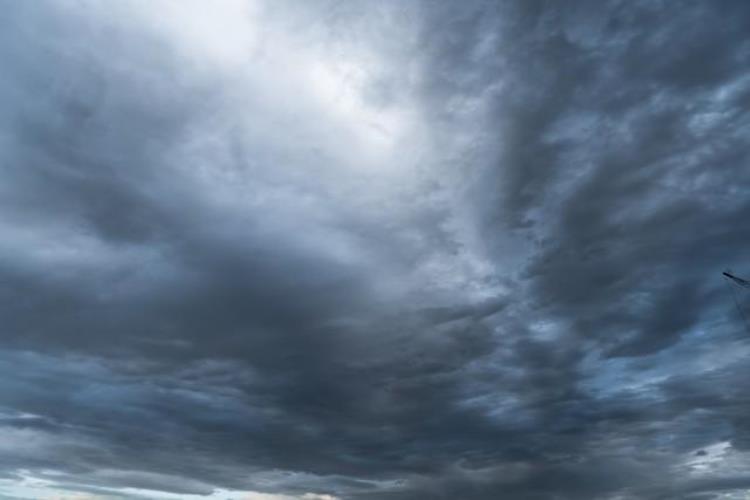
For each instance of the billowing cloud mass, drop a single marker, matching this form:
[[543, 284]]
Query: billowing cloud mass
[[392, 250]]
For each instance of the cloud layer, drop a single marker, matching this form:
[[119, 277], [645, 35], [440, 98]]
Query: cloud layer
[[374, 250]]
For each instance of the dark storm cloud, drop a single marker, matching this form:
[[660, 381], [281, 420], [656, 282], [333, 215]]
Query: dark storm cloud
[[213, 276]]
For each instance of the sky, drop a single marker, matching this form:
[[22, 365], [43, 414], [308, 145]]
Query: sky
[[374, 250]]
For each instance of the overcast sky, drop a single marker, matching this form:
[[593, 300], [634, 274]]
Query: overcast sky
[[374, 250]]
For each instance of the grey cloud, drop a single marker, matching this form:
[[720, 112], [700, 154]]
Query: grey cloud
[[390, 251]]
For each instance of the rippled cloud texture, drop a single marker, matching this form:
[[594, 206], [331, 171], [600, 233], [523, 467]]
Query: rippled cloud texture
[[373, 250]]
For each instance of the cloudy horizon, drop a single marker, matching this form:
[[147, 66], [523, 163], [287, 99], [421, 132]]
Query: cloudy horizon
[[374, 250]]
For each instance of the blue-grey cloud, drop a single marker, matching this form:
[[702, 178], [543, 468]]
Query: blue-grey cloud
[[395, 250]]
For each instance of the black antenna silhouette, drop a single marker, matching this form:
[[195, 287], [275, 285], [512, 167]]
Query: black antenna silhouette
[[739, 281], [744, 284]]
